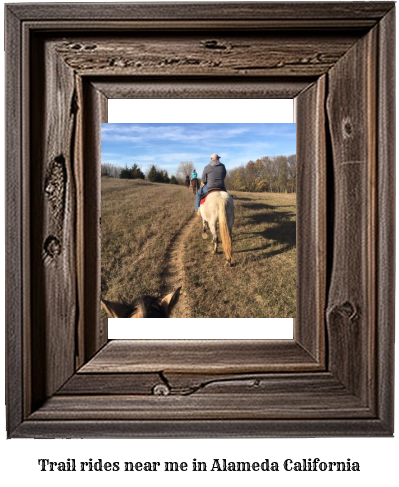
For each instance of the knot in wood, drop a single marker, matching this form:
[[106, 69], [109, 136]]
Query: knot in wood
[[52, 246], [161, 390], [347, 128], [90, 47], [50, 189], [346, 310], [213, 44], [349, 310], [54, 188]]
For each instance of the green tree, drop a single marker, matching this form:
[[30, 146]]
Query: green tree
[[136, 172], [125, 173], [153, 174], [165, 177], [133, 173], [157, 175]]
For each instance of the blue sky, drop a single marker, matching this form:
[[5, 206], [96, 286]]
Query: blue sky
[[166, 145]]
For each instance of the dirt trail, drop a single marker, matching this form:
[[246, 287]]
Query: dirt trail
[[174, 272]]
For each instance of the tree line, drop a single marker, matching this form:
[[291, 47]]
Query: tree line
[[275, 174], [154, 174]]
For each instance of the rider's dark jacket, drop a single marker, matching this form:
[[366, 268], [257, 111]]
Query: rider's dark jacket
[[214, 174]]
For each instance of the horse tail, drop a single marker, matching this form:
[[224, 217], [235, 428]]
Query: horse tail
[[224, 229]]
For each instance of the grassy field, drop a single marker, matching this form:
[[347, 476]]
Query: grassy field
[[151, 243], [139, 221]]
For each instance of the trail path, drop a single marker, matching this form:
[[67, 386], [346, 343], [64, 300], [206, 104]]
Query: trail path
[[174, 272]]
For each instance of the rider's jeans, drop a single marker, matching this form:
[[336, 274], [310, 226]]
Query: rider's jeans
[[200, 194]]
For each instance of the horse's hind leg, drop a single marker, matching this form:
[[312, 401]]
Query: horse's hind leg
[[215, 244], [215, 241], [204, 227]]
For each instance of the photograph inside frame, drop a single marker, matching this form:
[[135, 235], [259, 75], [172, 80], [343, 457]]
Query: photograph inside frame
[[198, 220]]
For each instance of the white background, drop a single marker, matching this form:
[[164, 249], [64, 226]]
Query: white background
[[378, 457]]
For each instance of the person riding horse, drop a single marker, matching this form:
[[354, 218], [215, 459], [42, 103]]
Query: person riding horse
[[187, 181], [194, 174], [194, 181], [212, 178]]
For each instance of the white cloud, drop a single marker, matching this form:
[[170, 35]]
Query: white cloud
[[171, 133]]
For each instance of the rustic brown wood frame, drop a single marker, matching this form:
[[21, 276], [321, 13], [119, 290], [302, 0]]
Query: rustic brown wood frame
[[336, 376]]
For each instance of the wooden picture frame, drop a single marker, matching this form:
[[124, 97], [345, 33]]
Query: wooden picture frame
[[336, 376]]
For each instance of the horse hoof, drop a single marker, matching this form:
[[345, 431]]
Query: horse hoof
[[204, 235]]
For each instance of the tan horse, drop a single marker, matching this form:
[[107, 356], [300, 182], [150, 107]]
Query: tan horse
[[219, 208], [143, 307]]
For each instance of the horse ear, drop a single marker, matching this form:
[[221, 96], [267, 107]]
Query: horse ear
[[170, 300], [116, 310]]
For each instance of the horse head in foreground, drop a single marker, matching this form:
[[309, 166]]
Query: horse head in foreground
[[219, 208], [143, 307]]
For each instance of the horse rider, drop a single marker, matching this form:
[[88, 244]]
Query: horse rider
[[194, 174], [187, 181], [194, 179], [212, 178]]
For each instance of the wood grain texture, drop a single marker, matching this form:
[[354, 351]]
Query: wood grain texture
[[95, 329], [202, 429], [85, 53], [241, 54], [53, 211], [111, 384], [311, 219], [331, 402], [138, 87], [184, 384], [385, 275], [200, 356], [203, 407], [15, 219], [352, 125], [277, 396], [208, 11]]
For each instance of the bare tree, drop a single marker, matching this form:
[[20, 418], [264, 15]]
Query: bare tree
[[110, 170], [184, 168]]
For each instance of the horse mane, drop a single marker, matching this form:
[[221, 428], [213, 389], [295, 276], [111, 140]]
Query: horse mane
[[148, 307]]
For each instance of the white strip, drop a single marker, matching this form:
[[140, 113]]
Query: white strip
[[200, 328], [200, 111]]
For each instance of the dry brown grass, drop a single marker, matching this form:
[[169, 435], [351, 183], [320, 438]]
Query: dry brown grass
[[262, 281], [140, 222]]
